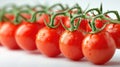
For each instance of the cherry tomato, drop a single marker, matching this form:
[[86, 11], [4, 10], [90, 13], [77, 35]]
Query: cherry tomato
[[114, 31], [47, 39], [98, 48], [71, 44], [7, 33], [26, 34]]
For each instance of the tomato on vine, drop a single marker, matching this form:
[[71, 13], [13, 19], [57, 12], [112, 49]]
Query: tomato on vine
[[113, 29], [47, 39], [71, 41], [98, 45], [7, 31], [26, 33]]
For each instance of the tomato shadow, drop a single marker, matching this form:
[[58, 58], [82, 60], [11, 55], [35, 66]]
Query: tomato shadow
[[113, 63], [81, 60], [77, 61], [57, 57], [36, 52], [14, 49]]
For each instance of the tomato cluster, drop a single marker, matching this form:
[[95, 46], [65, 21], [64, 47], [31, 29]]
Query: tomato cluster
[[71, 31]]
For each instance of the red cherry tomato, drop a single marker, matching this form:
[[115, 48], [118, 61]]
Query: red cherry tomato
[[26, 34], [47, 39], [114, 31], [98, 48], [71, 45], [7, 33]]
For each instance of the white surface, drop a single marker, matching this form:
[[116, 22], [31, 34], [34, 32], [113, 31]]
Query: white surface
[[19, 58]]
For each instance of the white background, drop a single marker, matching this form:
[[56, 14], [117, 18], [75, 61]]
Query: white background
[[19, 58], [108, 4]]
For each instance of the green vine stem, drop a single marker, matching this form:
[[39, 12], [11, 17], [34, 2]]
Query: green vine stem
[[101, 8], [112, 20], [19, 17], [51, 24], [78, 23], [74, 27], [93, 26]]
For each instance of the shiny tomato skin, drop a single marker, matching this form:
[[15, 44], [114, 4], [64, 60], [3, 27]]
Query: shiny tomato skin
[[47, 42], [98, 48], [114, 31], [7, 35], [71, 45], [26, 34]]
